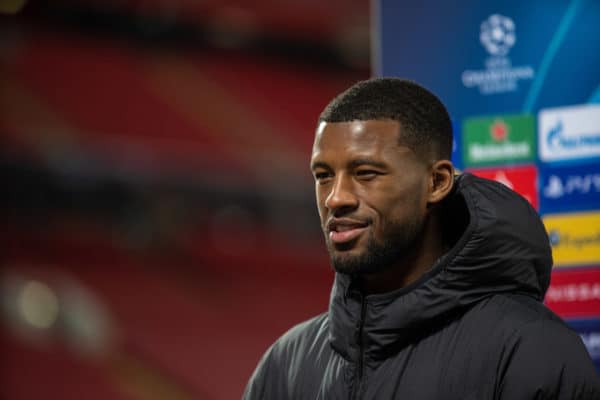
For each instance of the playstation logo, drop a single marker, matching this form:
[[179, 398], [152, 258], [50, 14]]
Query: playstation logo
[[555, 189]]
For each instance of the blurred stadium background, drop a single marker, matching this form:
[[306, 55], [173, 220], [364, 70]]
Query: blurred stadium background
[[158, 222]]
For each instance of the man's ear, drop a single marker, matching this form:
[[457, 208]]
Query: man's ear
[[442, 181]]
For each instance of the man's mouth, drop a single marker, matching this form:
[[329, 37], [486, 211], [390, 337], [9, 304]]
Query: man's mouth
[[345, 230]]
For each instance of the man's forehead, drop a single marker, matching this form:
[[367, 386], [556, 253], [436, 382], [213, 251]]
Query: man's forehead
[[357, 140], [359, 131], [355, 126]]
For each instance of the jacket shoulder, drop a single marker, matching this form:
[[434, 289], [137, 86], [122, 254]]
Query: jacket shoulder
[[271, 378], [305, 333], [302, 345], [519, 310], [541, 356]]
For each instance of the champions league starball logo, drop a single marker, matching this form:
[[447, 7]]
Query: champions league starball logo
[[498, 34]]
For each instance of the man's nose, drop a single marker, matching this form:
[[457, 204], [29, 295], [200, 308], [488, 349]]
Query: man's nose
[[342, 196]]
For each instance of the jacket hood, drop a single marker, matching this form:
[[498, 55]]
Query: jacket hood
[[503, 248]]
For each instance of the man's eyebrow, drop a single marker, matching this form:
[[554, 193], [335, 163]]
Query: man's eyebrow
[[319, 164], [366, 161], [352, 164]]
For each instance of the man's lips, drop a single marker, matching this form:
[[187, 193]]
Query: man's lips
[[342, 230]]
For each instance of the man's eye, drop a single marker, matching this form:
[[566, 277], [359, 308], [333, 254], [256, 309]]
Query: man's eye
[[319, 176], [366, 174]]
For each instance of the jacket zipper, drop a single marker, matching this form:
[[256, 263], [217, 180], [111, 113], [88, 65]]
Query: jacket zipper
[[361, 355]]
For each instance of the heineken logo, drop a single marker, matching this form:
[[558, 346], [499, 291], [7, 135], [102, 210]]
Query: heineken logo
[[492, 152], [498, 139], [499, 131]]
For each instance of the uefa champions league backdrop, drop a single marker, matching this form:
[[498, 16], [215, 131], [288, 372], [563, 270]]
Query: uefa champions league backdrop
[[521, 80]]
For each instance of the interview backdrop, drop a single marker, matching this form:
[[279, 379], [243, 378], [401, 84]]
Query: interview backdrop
[[521, 81]]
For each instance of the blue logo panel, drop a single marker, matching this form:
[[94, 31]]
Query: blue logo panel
[[589, 331], [569, 188]]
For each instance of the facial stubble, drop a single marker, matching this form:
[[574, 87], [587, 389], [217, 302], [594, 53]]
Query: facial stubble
[[399, 241]]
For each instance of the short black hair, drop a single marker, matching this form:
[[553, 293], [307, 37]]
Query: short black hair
[[424, 121]]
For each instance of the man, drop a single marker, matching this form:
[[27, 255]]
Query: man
[[439, 279]]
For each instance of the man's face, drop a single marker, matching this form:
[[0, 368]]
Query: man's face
[[371, 194]]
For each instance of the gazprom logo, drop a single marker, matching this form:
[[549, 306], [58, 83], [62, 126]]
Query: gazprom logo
[[558, 139], [569, 133]]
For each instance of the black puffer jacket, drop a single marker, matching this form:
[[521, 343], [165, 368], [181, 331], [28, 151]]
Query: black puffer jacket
[[473, 328]]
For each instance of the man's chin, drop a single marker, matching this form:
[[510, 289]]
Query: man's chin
[[347, 262]]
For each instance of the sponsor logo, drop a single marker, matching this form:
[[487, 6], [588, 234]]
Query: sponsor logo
[[582, 184], [480, 153], [520, 179], [569, 133], [558, 139], [575, 293], [498, 139], [570, 188], [574, 237], [498, 36], [577, 241]]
